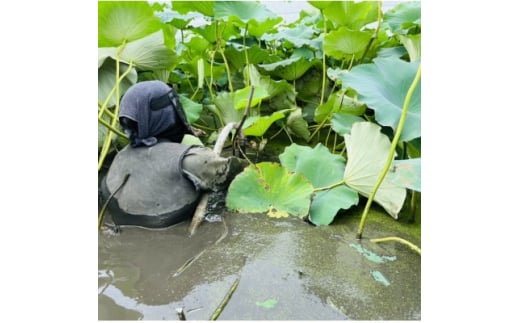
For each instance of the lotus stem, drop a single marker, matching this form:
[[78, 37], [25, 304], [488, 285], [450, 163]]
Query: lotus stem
[[323, 67], [400, 240], [379, 11], [329, 186], [108, 137], [111, 93], [391, 153], [225, 301], [117, 132]]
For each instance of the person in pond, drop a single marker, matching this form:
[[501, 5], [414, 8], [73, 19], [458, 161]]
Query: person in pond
[[156, 181]]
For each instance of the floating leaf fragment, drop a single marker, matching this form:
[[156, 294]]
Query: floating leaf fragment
[[269, 303]]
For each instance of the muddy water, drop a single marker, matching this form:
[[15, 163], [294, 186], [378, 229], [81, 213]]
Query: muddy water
[[285, 269]]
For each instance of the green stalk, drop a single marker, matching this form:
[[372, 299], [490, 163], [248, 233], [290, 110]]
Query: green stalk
[[245, 52], [401, 240], [108, 137], [109, 126], [324, 73], [391, 153], [329, 186], [221, 51], [379, 11], [225, 301], [111, 93], [210, 85]]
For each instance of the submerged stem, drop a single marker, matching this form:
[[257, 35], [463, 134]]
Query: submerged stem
[[398, 131], [401, 240], [225, 301]]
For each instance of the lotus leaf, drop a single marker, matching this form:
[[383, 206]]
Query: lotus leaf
[[243, 11], [147, 53], [412, 44], [269, 187], [124, 21], [367, 150], [403, 17], [322, 169], [351, 14], [297, 124], [342, 122], [106, 80], [288, 69], [298, 36], [383, 87], [258, 125], [406, 173], [204, 7], [343, 42], [191, 108]]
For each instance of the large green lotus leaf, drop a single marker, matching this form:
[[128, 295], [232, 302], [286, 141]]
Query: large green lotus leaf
[[382, 86], [224, 102], [257, 126], [344, 42], [120, 21], [412, 43], [317, 164], [338, 102], [174, 18], [204, 7], [237, 59], [147, 53], [367, 151], [191, 108], [243, 11], [106, 80], [353, 15], [288, 69], [272, 87], [403, 17], [258, 29], [198, 44], [392, 51], [325, 110], [321, 4], [225, 30], [269, 187], [342, 122], [321, 168], [298, 36], [297, 124], [406, 173], [241, 97], [326, 204]]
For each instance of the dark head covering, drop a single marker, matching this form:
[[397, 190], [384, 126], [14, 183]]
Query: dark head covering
[[152, 114]]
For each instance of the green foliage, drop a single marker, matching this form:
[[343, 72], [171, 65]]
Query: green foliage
[[364, 166], [317, 82], [124, 21], [271, 188], [403, 18], [322, 169], [383, 86], [343, 42]]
